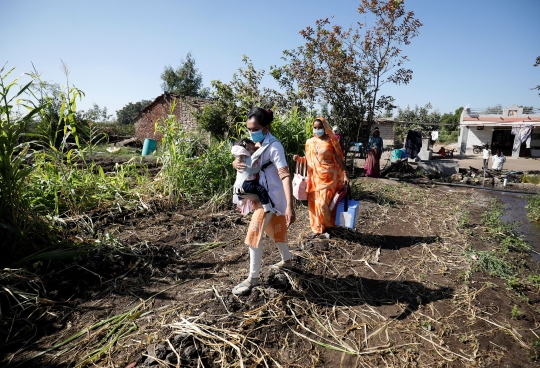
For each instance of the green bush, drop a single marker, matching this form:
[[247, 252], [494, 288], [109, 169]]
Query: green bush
[[448, 137], [213, 120], [191, 171], [293, 130]]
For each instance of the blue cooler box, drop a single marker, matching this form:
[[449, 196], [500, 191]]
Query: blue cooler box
[[347, 219]]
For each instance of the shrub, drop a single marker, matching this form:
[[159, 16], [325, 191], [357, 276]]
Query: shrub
[[191, 171]]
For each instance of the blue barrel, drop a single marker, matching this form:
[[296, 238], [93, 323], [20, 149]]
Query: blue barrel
[[149, 146]]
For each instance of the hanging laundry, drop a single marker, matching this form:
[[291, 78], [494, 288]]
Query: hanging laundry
[[522, 134], [413, 144], [435, 135]]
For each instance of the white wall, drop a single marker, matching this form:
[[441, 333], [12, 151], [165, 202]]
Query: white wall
[[479, 137]]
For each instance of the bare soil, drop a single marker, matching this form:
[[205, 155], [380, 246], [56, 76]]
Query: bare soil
[[395, 291]]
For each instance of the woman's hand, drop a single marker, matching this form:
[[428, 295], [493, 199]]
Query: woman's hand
[[346, 179], [295, 158], [290, 216], [239, 164]]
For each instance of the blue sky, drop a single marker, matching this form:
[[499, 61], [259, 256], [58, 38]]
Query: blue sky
[[477, 52]]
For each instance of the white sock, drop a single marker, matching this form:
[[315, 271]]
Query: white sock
[[284, 251], [255, 261]]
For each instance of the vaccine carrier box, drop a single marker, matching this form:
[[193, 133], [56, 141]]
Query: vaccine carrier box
[[347, 219]]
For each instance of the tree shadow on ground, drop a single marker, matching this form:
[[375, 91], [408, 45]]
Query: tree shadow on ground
[[355, 290]]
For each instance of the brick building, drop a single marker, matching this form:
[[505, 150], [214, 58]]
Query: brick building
[[386, 128], [160, 108]]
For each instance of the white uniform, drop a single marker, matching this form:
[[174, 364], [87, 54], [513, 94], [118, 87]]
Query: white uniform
[[269, 177]]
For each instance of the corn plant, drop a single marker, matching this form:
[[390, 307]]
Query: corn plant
[[190, 170], [16, 220]]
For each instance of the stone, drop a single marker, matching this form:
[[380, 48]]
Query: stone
[[443, 168], [161, 351], [182, 339], [171, 358]]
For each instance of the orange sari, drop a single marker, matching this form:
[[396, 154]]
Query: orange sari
[[325, 178]]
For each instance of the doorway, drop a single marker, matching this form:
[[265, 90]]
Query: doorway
[[503, 140]]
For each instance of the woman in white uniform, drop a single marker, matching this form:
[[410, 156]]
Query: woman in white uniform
[[275, 177]]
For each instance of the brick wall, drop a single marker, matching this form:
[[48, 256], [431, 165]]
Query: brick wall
[[160, 108], [387, 133]]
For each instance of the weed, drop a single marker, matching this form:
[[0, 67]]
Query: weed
[[426, 325], [464, 220], [514, 243], [534, 353], [516, 313], [533, 207], [534, 279], [491, 263], [465, 276]]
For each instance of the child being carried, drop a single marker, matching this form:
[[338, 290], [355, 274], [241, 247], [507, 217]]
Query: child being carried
[[243, 149]]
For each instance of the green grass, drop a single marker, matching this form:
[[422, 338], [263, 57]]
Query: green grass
[[507, 260], [533, 207]]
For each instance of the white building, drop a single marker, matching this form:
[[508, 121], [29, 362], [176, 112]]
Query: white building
[[478, 127]]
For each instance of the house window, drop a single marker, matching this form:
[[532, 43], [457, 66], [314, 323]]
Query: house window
[[512, 113]]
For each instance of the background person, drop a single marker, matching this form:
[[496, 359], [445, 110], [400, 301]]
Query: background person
[[339, 137], [374, 152], [486, 153], [498, 161], [277, 181], [326, 172]]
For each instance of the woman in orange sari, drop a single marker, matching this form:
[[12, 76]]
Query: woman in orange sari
[[326, 172]]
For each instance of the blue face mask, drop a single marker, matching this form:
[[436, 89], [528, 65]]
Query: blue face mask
[[257, 136], [318, 132]]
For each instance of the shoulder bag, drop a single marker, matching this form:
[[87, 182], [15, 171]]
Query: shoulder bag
[[299, 182]]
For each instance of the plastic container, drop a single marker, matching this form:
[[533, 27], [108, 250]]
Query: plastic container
[[149, 146], [403, 153], [347, 219]]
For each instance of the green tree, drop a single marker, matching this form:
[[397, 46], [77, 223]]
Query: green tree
[[232, 101], [348, 67], [419, 118], [449, 128], [95, 114], [127, 113], [184, 81]]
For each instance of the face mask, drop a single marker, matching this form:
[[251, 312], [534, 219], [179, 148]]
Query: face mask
[[257, 136], [318, 132]]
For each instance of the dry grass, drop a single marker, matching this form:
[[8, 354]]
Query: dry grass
[[362, 298]]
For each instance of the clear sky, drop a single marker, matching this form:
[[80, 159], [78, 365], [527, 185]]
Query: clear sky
[[477, 52]]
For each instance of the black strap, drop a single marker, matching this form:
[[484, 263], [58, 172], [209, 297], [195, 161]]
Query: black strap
[[264, 166], [346, 199]]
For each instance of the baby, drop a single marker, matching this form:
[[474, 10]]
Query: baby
[[243, 149]]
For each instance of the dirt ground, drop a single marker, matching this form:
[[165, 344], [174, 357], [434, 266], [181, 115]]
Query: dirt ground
[[398, 291], [514, 164]]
